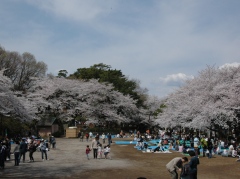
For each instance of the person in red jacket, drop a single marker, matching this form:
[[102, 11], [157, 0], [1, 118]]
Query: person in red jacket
[[88, 151], [87, 136]]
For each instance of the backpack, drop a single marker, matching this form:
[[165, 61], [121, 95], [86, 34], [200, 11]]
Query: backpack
[[185, 170], [34, 148]]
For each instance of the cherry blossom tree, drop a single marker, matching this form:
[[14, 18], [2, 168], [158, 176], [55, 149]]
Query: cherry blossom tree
[[9, 104], [66, 98], [152, 106], [209, 100]]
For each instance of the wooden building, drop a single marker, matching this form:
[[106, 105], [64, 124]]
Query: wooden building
[[47, 125]]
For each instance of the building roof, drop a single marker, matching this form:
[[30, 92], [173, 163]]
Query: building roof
[[47, 121]]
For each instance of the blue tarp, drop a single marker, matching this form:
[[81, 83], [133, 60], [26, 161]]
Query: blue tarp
[[125, 142]]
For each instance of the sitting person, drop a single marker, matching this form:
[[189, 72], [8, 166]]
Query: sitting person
[[185, 150], [145, 146], [140, 142], [230, 150], [180, 149], [158, 148], [176, 147], [234, 153], [225, 153], [165, 141]]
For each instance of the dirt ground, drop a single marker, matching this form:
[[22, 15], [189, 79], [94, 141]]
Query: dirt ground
[[68, 160]]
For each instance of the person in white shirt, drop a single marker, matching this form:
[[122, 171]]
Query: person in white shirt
[[107, 151], [196, 144], [103, 138], [99, 151], [90, 135]]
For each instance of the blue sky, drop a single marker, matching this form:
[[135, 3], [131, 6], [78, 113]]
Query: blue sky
[[159, 42]]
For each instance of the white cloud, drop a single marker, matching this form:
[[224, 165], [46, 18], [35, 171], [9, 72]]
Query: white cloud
[[176, 79], [74, 9], [143, 39], [227, 65]]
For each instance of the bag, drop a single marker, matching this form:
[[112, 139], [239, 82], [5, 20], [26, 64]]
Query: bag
[[186, 170], [207, 151], [34, 148]]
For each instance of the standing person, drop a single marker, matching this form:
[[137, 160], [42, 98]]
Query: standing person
[[2, 155], [43, 148], [107, 151], [109, 136], [53, 141], [79, 135], [174, 165], [16, 153], [50, 140], [48, 149], [4, 144], [204, 146], [32, 149], [194, 161], [99, 151], [82, 136], [8, 149], [103, 138], [87, 136], [23, 150], [88, 151], [209, 147], [95, 147], [90, 135], [196, 144]]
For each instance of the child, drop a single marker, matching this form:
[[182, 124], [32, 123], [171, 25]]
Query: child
[[107, 151], [88, 151], [99, 151]]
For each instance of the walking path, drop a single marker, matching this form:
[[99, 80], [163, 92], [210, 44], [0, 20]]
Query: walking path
[[66, 160]]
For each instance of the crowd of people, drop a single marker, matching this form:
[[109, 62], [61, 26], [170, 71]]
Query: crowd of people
[[193, 146], [99, 151], [89, 136], [33, 144], [205, 146], [22, 146], [100, 146]]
